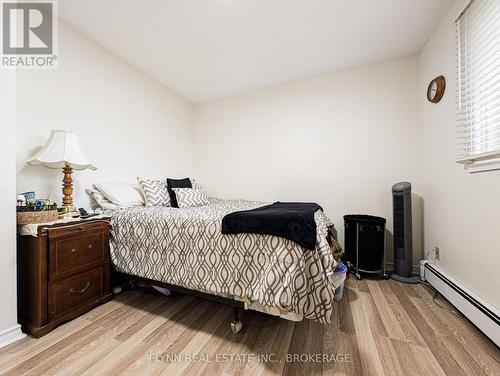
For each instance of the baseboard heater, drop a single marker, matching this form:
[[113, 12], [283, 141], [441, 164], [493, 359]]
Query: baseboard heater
[[480, 313]]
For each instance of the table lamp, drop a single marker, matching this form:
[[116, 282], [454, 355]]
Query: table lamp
[[64, 150]]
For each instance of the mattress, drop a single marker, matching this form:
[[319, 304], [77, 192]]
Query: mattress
[[185, 247]]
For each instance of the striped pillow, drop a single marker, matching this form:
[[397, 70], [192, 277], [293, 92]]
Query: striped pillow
[[190, 197], [155, 192], [99, 201], [195, 184]]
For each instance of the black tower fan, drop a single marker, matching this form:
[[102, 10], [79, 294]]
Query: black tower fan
[[402, 232]]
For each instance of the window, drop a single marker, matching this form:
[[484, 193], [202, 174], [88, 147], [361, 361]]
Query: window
[[478, 88]]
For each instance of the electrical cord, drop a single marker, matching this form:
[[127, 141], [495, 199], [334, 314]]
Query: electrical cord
[[436, 293], [452, 311]]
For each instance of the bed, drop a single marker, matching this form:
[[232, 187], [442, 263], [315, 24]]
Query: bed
[[185, 248]]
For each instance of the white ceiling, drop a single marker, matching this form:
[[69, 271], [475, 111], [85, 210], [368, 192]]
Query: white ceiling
[[209, 49]]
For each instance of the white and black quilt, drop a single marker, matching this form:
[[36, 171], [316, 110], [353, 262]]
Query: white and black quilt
[[185, 247]]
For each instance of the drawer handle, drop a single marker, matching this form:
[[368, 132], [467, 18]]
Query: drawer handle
[[90, 247], [78, 292], [73, 251]]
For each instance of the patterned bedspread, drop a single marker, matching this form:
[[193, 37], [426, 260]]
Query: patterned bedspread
[[185, 247]]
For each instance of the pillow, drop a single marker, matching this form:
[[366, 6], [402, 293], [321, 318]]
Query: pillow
[[155, 192], [123, 195], [195, 184], [177, 183], [189, 197], [100, 201]]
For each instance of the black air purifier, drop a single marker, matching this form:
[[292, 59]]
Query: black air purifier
[[402, 233]]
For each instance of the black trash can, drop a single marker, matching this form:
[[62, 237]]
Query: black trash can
[[365, 243]]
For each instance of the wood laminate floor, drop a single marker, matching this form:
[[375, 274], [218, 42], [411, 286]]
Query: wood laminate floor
[[381, 327]]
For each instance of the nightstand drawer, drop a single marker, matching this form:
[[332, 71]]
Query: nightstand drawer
[[72, 293], [74, 253], [76, 229]]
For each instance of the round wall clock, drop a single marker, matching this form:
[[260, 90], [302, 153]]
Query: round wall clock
[[436, 89]]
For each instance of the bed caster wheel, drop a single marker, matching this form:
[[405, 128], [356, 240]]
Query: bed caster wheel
[[236, 326], [358, 276], [386, 276], [117, 290]]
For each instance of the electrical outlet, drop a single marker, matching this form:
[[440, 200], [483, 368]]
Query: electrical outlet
[[437, 252]]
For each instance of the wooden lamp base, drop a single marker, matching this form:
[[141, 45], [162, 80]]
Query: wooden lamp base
[[68, 210]]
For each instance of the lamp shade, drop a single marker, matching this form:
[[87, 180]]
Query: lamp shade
[[61, 149]]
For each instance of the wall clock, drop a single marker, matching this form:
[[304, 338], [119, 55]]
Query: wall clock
[[436, 89]]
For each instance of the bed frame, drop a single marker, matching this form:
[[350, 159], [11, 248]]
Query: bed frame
[[119, 279]]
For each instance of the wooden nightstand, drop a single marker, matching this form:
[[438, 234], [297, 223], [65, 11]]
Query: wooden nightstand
[[62, 273]]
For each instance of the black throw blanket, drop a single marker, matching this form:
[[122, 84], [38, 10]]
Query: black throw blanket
[[289, 220]]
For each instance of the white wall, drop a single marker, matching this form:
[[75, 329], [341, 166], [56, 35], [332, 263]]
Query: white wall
[[8, 297], [340, 140], [132, 126], [461, 209]]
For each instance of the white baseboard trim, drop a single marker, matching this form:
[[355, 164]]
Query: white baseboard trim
[[12, 334], [479, 312]]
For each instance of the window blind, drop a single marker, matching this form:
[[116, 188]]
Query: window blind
[[478, 87]]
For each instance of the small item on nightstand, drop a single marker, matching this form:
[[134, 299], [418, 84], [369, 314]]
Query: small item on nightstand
[[21, 200], [84, 214], [29, 195], [41, 202], [33, 212]]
